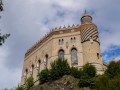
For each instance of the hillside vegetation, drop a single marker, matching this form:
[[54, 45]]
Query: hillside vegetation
[[63, 77]]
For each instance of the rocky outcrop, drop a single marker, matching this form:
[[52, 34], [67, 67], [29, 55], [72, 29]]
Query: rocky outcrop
[[65, 83]]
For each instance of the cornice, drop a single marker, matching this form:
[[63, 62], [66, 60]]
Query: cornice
[[52, 32]]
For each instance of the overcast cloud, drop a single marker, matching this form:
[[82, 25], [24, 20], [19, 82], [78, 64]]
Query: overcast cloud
[[29, 20]]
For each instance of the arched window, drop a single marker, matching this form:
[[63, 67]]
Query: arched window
[[32, 68], [26, 72], [59, 41], [25, 75], [38, 65], [74, 58], [74, 39], [61, 54], [71, 40], [46, 60]]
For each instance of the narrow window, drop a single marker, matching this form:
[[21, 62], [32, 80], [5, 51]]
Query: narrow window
[[46, 59], [61, 54], [59, 41], [74, 58], [74, 39], [38, 65], [25, 75], [62, 41], [26, 72], [98, 55], [71, 40], [32, 68]]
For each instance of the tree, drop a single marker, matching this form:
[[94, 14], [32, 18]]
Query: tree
[[59, 68], [113, 69], [114, 84], [88, 76], [19, 88], [29, 82], [75, 72], [89, 70], [1, 6], [5, 36], [44, 76]]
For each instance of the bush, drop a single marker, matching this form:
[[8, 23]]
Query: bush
[[113, 69], [59, 68], [89, 69], [29, 82], [114, 84], [44, 76], [19, 88], [94, 82], [102, 83], [84, 81], [75, 72]]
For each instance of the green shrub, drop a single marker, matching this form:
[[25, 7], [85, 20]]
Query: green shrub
[[89, 69], [19, 88], [44, 76], [84, 81], [75, 72], [114, 84], [59, 68], [29, 82], [102, 82], [113, 69], [94, 82]]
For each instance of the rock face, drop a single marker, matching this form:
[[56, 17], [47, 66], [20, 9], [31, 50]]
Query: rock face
[[65, 83]]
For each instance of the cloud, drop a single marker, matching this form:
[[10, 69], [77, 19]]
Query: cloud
[[29, 20]]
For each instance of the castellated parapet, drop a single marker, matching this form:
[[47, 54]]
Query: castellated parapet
[[79, 44]]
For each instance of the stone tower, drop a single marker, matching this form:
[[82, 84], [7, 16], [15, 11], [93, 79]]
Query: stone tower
[[90, 42]]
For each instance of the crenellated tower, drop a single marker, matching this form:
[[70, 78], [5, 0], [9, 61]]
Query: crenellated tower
[[90, 42]]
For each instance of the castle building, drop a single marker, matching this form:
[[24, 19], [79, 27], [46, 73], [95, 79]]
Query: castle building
[[79, 44]]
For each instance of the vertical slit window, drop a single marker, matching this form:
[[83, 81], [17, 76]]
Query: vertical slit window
[[46, 59], [62, 41], [59, 41], [74, 39], [98, 55], [32, 68]]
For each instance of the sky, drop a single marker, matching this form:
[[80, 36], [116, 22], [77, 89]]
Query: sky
[[29, 20]]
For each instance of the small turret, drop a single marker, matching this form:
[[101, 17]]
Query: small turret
[[86, 18]]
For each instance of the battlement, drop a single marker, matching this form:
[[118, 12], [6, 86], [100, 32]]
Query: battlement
[[49, 34]]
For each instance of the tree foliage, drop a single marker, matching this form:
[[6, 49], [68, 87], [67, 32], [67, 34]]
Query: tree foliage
[[44, 76], [19, 88], [3, 38], [59, 68], [88, 77], [1, 6], [111, 79], [29, 82], [113, 69], [77, 73], [89, 70]]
